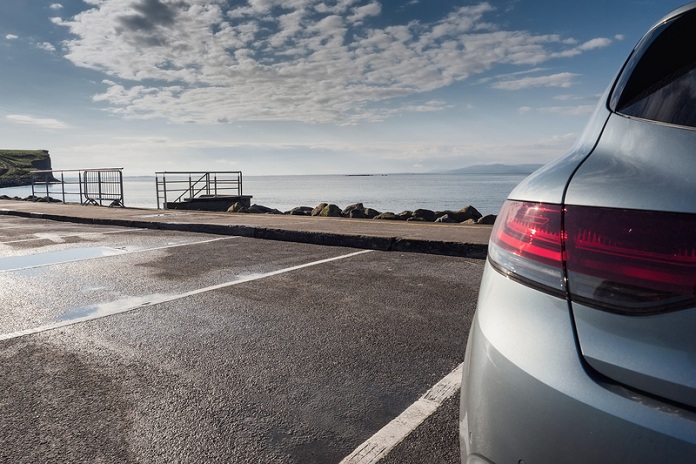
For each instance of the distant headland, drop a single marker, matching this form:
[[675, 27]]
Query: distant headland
[[15, 165]]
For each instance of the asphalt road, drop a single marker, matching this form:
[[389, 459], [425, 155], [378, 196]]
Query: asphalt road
[[132, 345]]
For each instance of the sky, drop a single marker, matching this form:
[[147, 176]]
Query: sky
[[275, 87]]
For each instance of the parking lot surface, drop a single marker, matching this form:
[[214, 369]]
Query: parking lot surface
[[141, 345]]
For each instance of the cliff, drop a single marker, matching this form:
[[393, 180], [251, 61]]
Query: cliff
[[15, 165]]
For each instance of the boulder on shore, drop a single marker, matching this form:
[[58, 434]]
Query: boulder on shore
[[317, 209], [424, 215], [404, 215], [300, 211], [330, 210], [358, 208], [389, 216], [488, 219]]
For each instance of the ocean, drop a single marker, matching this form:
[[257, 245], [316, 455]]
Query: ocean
[[383, 192]]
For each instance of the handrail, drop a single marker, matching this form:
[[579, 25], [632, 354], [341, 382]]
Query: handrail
[[187, 186], [94, 186]]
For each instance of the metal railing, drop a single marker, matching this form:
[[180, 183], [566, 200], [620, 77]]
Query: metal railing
[[84, 186], [175, 187]]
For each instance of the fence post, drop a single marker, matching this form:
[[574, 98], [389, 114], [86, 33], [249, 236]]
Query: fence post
[[62, 185], [164, 188]]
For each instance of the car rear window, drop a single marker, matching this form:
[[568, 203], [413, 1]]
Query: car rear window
[[659, 82]]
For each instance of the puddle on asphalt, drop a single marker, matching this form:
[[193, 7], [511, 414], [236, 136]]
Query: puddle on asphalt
[[11, 263], [113, 307]]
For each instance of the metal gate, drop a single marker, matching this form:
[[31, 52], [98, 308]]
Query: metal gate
[[101, 187]]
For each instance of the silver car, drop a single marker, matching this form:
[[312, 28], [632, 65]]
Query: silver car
[[583, 348]]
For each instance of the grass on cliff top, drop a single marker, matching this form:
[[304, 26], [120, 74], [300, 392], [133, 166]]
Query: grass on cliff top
[[17, 163]]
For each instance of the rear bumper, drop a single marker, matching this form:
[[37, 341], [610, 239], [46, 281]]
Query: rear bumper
[[526, 395]]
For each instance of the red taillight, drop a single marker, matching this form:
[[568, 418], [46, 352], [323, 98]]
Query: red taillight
[[629, 261], [526, 244]]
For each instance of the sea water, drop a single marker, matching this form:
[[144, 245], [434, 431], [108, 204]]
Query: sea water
[[383, 192]]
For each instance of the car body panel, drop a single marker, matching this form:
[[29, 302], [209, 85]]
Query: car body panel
[[529, 396], [656, 354], [548, 184], [638, 165]]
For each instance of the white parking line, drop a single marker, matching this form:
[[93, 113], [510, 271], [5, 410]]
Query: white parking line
[[130, 304], [71, 255], [381, 443], [58, 237]]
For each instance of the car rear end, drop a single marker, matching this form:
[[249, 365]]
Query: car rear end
[[584, 344]]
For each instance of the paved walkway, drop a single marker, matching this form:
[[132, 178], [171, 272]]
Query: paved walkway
[[446, 239]]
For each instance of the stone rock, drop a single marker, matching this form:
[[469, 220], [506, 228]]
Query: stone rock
[[37, 199], [330, 211], [468, 212], [371, 213], [389, 216], [260, 209], [404, 215], [354, 207], [445, 219], [235, 208], [301, 211], [253, 209], [488, 219], [424, 214], [318, 209], [417, 219], [356, 214]]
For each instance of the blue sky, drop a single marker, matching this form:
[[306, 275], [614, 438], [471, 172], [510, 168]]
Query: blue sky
[[307, 86]]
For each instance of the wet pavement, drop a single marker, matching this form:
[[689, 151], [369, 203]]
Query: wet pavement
[[128, 344]]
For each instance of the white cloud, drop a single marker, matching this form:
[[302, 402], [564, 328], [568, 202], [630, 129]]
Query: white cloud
[[592, 44], [300, 60], [563, 80], [582, 110], [362, 12], [11, 37], [43, 123], [595, 43], [46, 46], [569, 97], [56, 6]]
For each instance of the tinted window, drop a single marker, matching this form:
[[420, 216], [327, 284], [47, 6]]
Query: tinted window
[[659, 82]]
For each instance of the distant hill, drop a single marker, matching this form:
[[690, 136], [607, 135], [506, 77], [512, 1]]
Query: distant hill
[[15, 165], [498, 169]]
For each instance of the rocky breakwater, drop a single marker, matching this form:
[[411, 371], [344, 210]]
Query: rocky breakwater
[[466, 215]]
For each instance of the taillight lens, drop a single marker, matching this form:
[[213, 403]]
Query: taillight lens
[[526, 245], [631, 261], [628, 261]]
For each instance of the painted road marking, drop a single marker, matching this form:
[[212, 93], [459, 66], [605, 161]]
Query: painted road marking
[[381, 443], [133, 303], [59, 237], [70, 255]]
